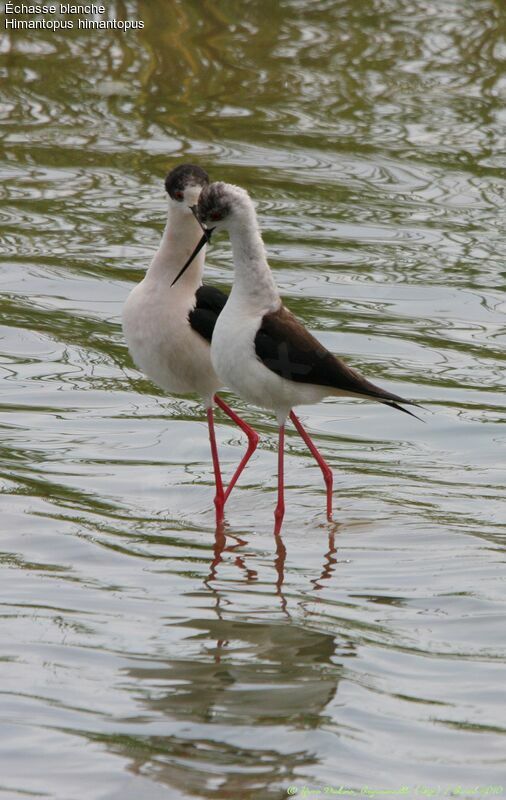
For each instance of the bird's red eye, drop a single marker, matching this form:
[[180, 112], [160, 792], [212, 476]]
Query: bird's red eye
[[179, 195], [216, 215]]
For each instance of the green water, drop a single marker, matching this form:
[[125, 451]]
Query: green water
[[141, 654]]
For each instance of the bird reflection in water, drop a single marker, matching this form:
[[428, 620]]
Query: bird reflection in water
[[222, 546], [231, 672], [330, 560]]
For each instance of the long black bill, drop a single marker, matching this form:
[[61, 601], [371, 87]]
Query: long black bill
[[206, 236], [208, 231]]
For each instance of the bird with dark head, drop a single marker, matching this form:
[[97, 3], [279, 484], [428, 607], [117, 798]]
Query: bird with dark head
[[185, 177], [168, 328], [214, 204], [259, 349]]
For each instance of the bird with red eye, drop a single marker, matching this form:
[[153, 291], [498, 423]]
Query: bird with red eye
[[168, 330], [180, 185], [259, 349], [205, 213]]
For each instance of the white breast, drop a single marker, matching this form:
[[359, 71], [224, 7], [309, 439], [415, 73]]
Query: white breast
[[237, 365], [162, 343]]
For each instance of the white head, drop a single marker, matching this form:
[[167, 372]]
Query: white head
[[184, 185]]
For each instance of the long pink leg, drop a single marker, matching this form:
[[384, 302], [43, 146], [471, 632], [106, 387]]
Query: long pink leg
[[252, 442], [219, 500], [327, 472], [280, 508]]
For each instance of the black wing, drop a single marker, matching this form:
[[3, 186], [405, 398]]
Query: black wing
[[209, 303], [284, 346]]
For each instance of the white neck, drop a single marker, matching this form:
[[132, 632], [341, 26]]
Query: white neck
[[181, 234], [253, 282]]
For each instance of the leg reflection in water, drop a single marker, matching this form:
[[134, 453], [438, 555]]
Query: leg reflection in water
[[240, 687]]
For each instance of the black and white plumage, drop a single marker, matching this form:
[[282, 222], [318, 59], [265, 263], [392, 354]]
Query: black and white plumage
[[209, 303], [287, 348], [156, 322], [259, 348], [168, 326]]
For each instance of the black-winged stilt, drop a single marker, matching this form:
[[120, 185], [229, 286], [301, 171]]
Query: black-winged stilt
[[168, 328], [259, 349]]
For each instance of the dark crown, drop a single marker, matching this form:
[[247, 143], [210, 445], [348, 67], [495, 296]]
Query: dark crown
[[213, 200], [184, 175]]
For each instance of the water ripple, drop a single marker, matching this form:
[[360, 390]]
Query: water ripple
[[146, 653]]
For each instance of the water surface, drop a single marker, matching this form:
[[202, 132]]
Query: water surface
[[144, 654]]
